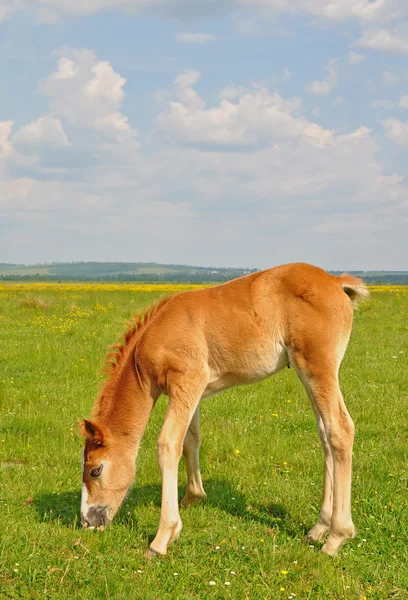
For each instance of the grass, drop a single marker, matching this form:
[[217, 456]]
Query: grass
[[261, 464], [36, 303]]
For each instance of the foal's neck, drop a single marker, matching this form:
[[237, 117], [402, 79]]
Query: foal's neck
[[124, 404]]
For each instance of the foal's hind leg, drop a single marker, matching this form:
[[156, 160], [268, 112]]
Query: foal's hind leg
[[336, 429], [340, 434], [317, 533], [195, 491]]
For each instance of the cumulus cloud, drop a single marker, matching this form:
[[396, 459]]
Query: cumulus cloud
[[85, 101], [185, 92], [324, 87], [286, 166], [84, 91], [254, 117], [382, 39], [397, 131], [45, 131]]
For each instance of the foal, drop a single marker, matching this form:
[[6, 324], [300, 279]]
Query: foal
[[195, 344]]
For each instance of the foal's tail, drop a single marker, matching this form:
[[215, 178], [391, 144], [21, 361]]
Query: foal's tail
[[354, 287]]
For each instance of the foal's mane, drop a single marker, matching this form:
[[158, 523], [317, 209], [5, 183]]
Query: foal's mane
[[117, 354]]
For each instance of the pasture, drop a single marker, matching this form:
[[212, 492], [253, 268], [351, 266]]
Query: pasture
[[261, 462]]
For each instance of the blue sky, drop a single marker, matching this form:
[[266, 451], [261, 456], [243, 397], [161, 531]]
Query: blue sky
[[237, 132]]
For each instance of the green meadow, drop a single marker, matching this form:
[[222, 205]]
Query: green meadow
[[261, 462]]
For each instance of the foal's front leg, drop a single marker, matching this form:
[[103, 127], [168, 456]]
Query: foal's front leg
[[176, 423], [195, 491]]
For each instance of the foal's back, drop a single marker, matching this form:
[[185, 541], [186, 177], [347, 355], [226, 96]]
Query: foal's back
[[247, 329]]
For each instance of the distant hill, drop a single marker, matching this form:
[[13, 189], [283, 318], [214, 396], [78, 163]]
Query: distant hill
[[118, 271], [154, 272]]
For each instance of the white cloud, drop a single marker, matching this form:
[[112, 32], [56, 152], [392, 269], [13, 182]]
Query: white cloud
[[361, 224], [185, 92], [5, 131], [319, 88], [335, 10], [52, 11], [67, 69], [7, 8], [365, 12], [85, 100], [403, 103], [397, 131], [85, 92], [286, 74], [381, 39], [256, 117], [394, 76], [231, 92], [195, 38], [323, 88], [112, 125], [187, 78], [276, 165], [355, 58], [45, 131], [14, 191], [317, 135], [281, 186]]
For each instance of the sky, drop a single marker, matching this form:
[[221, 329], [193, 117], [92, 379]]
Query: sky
[[242, 133]]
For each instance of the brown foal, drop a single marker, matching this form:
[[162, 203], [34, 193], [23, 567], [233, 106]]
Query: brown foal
[[195, 344]]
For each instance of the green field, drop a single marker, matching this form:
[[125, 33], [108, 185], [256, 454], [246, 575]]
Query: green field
[[262, 467]]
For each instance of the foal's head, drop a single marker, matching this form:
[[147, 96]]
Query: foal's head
[[108, 469]]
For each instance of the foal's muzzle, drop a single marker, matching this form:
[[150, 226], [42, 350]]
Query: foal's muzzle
[[96, 517]]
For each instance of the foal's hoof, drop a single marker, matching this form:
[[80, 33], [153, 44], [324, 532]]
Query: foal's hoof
[[150, 553], [332, 549], [191, 499], [335, 540], [310, 540], [316, 534]]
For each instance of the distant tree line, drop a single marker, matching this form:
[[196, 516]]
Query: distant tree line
[[206, 276]]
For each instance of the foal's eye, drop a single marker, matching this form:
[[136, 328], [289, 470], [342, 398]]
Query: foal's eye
[[96, 472]]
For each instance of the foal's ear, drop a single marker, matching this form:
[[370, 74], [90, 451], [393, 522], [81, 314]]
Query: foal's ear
[[92, 431]]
